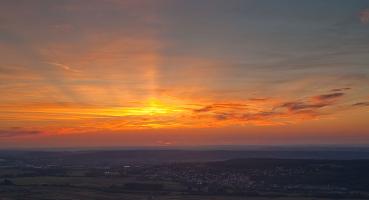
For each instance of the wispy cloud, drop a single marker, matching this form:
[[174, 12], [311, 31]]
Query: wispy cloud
[[297, 105], [263, 111], [328, 97], [17, 132], [314, 102], [63, 66], [221, 106], [258, 99], [340, 89], [361, 104]]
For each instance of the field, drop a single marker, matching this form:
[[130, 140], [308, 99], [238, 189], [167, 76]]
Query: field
[[31, 192]]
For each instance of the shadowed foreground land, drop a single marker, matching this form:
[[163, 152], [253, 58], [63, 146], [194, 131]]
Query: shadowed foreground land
[[62, 193], [70, 175]]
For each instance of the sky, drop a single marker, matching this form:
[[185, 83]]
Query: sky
[[90, 73]]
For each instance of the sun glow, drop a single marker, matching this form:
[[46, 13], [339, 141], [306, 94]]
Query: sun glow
[[152, 107]]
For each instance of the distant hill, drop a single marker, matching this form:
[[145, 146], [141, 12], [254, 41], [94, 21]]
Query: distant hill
[[101, 157]]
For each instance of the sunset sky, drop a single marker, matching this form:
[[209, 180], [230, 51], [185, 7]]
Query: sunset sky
[[88, 73]]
